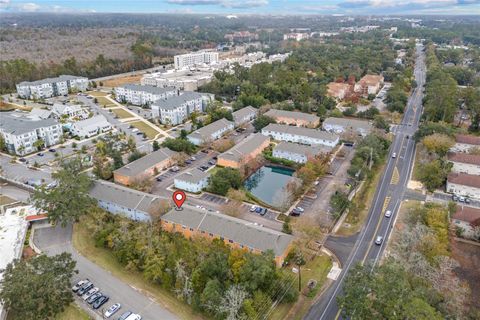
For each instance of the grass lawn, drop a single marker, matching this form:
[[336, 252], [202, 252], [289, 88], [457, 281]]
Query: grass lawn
[[6, 200], [122, 114], [317, 269], [145, 128], [84, 243], [73, 312], [102, 101], [97, 93]]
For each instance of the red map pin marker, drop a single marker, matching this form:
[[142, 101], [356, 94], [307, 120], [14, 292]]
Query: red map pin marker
[[179, 198]]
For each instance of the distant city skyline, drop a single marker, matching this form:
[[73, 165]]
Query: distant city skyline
[[361, 7]]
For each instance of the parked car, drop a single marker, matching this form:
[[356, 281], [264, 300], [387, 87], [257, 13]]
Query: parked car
[[295, 213], [78, 285], [379, 240], [205, 151], [139, 133], [175, 169], [215, 158], [300, 209], [22, 160], [253, 208], [100, 302], [124, 315], [193, 158], [51, 150], [135, 130], [134, 317], [461, 199], [94, 297], [40, 154], [467, 200], [188, 161], [394, 155], [159, 179], [258, 209], [388, 213], [212, 162], [454, 198], [84, 288], [90, 293]]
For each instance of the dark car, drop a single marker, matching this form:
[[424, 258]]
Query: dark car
[[84, 288], [52, 150], [40, 154], [215, 158], [22, 160], [100, 302], [212, 162], [159, 179], [188, 161], [94, 297], [139, 133], [258, 209], [205, 151], [125, 315], [295, 213]]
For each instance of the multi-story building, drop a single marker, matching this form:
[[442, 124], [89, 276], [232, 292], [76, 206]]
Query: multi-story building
[[69, 111], [465, 163], [463, 184], [465, 142], [294, 118], [297, 36], [468, 220], [338, 90], [192, 181], [246, 150], [244, 115], [347, 126], [51, 87], [146, 166], [241, 36], [116, 199], [21, 132], [143, 95], [301, 135], [234, 232], [369, 84], [176, 110], [296, 152], [210, 132], [186, 80], [90, 127], [195, 58]]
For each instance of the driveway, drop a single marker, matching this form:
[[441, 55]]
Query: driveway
[[55, 240]]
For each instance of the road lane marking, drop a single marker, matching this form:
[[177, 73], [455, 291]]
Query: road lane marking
[[395, 176], [385, 205]]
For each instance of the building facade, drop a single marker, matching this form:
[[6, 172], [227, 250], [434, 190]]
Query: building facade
[[465, 142], [245, 151], [193, 181], [51, 87], [369, 84], [465, 163], [338, 90], [143, 95], [300, 135], [462, 184], [186, 80], [177, 109], [90, 127], [210, 132], [296, 152], [294, 118], [195, 58], [244, 115], [69, 111], [347, 126], [468, 220]]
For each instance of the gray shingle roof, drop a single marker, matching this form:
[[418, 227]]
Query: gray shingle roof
[[50, 80], [242, 113], [300, 149], [301, 131], [123, 196], [149, 89], [140, 165], [245, 147], [273, 113], [206, 132], [238, 230], [193, 176], [348, 123], [176, 101], [18, 123]]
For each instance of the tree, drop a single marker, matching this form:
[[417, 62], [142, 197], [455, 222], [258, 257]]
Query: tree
[[101, 168], [155, 145], [3, 145], [142, 183], [39, 144], [24, 280], [224, 179], [286, 228], [339, 203], [222, 145], [70, 199], [433, 174], [232, 301], [438, 143], [159, 208], [131, 144], [262, 121], [135, 155], [178, 145], [380, 123], [231, 208]]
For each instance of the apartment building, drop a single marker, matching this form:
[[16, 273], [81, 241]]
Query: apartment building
[[465, 142], [244, 115], [21, 132], [40, 114], [347, 126], [297, 152], [186, 79], [297, 36], [338, 90], [463, 184], [210, 132], [465, 163], [245, 151], [116, 199], [369, 84], [468, 220], [234, 232], [176, 110], [90, 127], [146, 166], [195, 58], [51, 87], [192, 181], [143, 95], [294, 118], [301, 135], [69, 111]]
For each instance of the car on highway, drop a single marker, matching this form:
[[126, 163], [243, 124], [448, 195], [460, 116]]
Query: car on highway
[[90, 293], [100, 302], [394, 155], [78, 285], [125, 315], [87, 286], [112, 310], [379, 240], [94, 297], [388, 213]]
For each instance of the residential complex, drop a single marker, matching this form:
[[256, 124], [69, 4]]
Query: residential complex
[[90, 127], [244, 115], [210, 132], [465, 163], [369, 84], [294, 118], [463, 184], [296, 152], [296, 36], [464, 143], [301, 135], [69, 111], [192, 181], [237, 233], [347, 126], [195, 58], [468, 220], [51, 87], [116, 199], [176, 109], [187, 80], [338, 90], [143, 95], [243, 152], [145, 167], [21, 132]]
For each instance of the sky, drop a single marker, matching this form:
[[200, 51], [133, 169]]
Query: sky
[[348, 7]]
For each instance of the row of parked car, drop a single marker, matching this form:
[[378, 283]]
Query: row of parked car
[[87, 291], [257, 209]]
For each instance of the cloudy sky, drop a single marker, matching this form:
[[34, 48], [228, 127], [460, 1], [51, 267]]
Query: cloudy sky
[[248, 6]]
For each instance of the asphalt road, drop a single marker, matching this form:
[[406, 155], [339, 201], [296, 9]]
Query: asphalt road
[[388, 196], [55, 240]]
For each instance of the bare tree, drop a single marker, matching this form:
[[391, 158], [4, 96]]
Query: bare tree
[[183, 285], [143, 183], [158, 209], [231, 208], [232, 302]]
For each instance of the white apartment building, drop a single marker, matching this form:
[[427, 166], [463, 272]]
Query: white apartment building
[[297, 152], [244, 115], [195, 58], [465, 163], [210, 132], [69, 111], [90, 127], [186, 79], [300, 135], [192, 181], [176, 110], [143, 95], [21, 132], [347, 125], [297, 36], [51, 87]]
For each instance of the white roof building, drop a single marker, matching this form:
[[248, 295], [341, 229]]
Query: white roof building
[[90, 127]]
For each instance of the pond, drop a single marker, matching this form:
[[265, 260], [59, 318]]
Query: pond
[[268, 184]]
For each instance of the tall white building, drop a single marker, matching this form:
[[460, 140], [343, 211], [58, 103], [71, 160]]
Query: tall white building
[[195, 58], [281, 132], [20, 132], [176, 109], [143, 95], [51, 87]]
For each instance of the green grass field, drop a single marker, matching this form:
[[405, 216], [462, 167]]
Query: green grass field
[[122, 114], [73, 312], [6, 200], [102, 101], [145, 128], [97, 93]]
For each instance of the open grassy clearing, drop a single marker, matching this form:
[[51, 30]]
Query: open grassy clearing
[[84, 243], [97, 93], [6, 200], [145, 128], [103, 101], [73, 312], [122, 114], [122, 80]]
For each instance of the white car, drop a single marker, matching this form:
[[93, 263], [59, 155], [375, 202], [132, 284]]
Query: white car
[[394, 155], [134, 316], [253, 208], [379, 240], [388, 213], [78, 285], [90, 293], [110, 311]]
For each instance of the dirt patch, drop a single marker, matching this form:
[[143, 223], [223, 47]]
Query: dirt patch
[[468, 255], [122, 80]]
